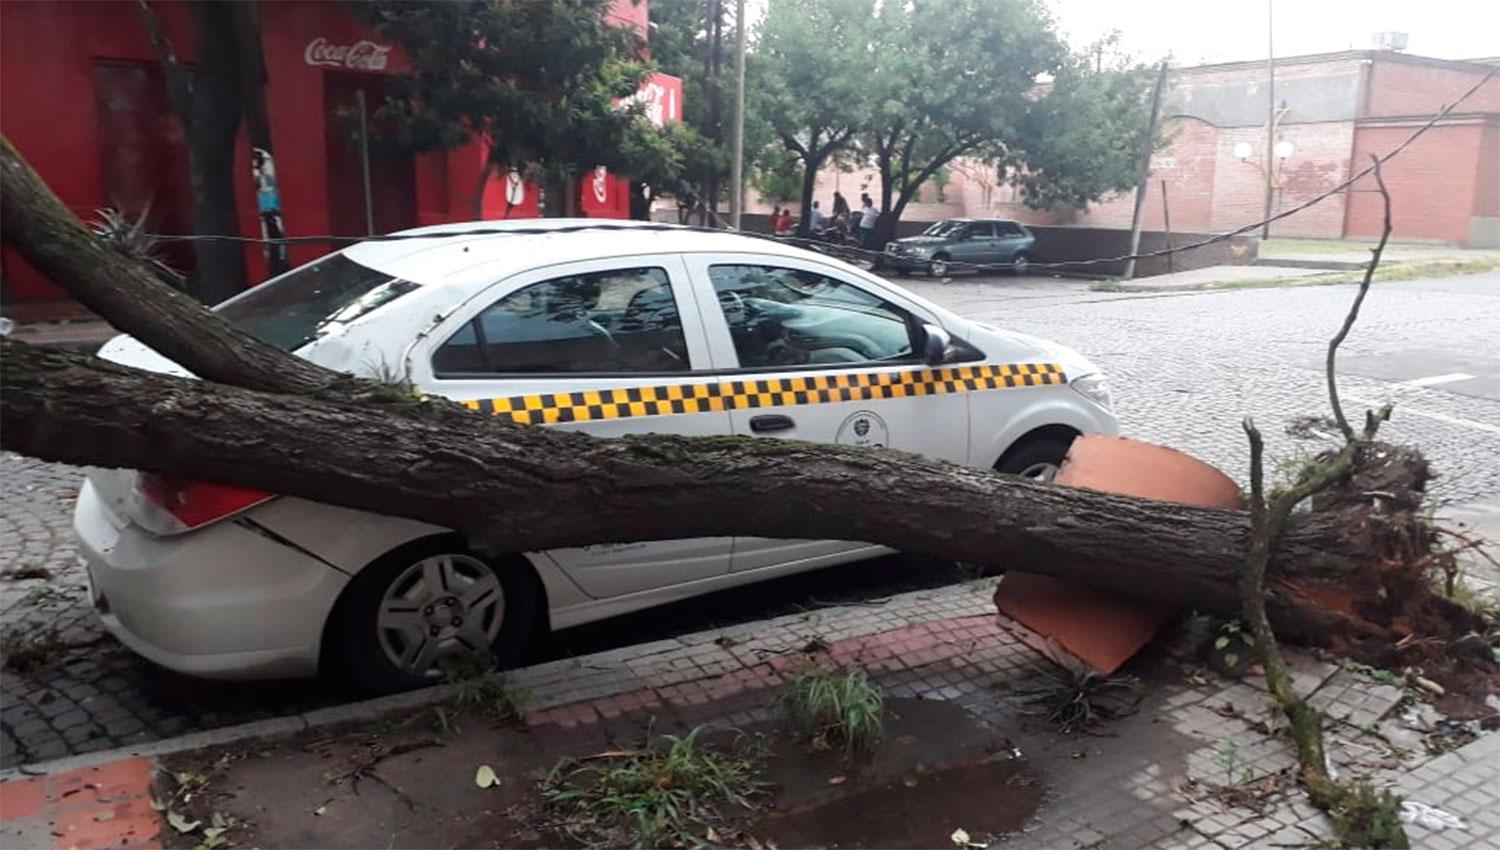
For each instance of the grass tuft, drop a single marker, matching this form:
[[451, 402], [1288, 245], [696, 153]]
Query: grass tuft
[[1364, 817], [1076, 699], [674, 793], [836, 710], [478, 687]]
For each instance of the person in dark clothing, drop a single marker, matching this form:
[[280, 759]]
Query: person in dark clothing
[[840, 206]]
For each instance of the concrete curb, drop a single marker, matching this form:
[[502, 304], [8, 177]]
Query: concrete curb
[[258, 729], [612, 669]]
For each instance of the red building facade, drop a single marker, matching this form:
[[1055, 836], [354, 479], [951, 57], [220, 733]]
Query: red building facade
[[85, 102], [1334, 111]]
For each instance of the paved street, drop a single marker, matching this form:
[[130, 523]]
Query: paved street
[[1185, 367]]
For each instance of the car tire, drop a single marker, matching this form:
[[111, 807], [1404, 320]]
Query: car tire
[[1037, 458], [362, 648], [938, 267], [1019, 263]]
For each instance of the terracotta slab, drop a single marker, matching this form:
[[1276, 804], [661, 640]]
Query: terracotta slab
[[1105, 629]]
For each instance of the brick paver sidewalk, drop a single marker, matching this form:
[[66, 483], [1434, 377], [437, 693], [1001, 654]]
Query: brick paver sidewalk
[[93, 807], [1144, 783]]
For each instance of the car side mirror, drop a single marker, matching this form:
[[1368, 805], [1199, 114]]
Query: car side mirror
[[935, 343]]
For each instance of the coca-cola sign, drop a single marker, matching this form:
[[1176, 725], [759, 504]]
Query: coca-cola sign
[[361, 55], [661, 99]]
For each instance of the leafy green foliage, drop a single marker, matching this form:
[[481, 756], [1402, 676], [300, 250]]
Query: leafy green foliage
[[844, 710], [1083, 139], [671, 794], [953, 78], [1366, 817], [779, 178], [537, 81], [812, 68]]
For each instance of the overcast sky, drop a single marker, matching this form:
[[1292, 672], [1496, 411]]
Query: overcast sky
[[1200, 31]]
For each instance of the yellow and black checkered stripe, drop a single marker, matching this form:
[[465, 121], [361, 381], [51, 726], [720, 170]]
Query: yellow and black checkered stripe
[[672, 399]]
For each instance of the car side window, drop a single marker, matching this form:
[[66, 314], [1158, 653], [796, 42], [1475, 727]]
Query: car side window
[[780, 317], [984, 230], [1008, 229], [622, 320]]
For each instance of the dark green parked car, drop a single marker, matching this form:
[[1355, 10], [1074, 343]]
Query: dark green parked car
[[952, 242]]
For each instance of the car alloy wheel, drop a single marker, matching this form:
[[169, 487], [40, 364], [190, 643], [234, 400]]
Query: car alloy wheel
[[440, 606], [938, 267], [1038, 457], [1042, 473], [1019, 263]]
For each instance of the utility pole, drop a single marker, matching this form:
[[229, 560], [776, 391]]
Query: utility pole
[[737, 163], [1143, 173], [1265, 231]]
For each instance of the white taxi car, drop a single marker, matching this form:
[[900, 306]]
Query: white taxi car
[[608, 328]]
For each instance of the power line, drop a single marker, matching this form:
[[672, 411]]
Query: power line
[[848, 251]]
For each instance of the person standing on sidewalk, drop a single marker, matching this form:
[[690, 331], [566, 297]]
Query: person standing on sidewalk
[[867, 218]]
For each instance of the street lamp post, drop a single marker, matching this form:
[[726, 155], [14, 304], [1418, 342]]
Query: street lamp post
[[1265, 232], [1277, 153]]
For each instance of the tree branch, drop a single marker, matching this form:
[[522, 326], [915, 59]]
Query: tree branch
[[131, 298], [1353, 315], [179, 80]]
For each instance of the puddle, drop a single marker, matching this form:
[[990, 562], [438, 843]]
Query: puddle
[[917, 810], [937, 770]]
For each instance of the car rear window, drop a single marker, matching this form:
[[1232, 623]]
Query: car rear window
[[296, 308]]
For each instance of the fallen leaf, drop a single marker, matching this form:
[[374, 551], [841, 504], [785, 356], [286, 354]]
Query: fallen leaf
[[320, 810], [837, 780], [753, 843], [214, 832], [104, 816], [181, 823], [960, 838], [909, 781], [485, 777], [713, 836]]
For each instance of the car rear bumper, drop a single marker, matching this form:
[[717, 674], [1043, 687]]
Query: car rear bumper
[[223, 602]]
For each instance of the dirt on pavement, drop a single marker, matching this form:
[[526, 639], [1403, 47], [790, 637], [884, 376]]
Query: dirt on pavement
[[408, 784]]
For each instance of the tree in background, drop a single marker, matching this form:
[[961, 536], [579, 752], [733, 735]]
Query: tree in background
[[952, 77], [538, 83], [1083, 139], [778, 177], [225, 86], [686, 40], [812, 71]]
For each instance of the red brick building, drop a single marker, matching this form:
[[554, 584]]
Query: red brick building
[[85, 102], [1336, 109]]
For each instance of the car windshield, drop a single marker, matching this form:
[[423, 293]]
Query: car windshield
[[299, 306], [948, 227]]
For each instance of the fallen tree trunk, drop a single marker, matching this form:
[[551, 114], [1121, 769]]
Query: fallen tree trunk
[[516, 488], [299, 429]]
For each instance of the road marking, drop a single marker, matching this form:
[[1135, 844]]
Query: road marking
[[1440, 417], [1438, 379]]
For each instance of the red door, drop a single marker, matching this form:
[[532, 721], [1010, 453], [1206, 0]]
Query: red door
[[392, 191]]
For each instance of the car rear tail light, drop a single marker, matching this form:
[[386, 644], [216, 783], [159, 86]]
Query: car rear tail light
[[194, 504]]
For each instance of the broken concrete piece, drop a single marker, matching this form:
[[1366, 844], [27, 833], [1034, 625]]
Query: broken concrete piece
[[1105, 629]]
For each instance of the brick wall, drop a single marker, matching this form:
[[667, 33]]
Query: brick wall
[[1432, 184], [1188, 164], [1400, 88]]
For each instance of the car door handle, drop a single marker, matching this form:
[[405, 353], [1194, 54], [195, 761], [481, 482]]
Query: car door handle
[[771, 422]]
